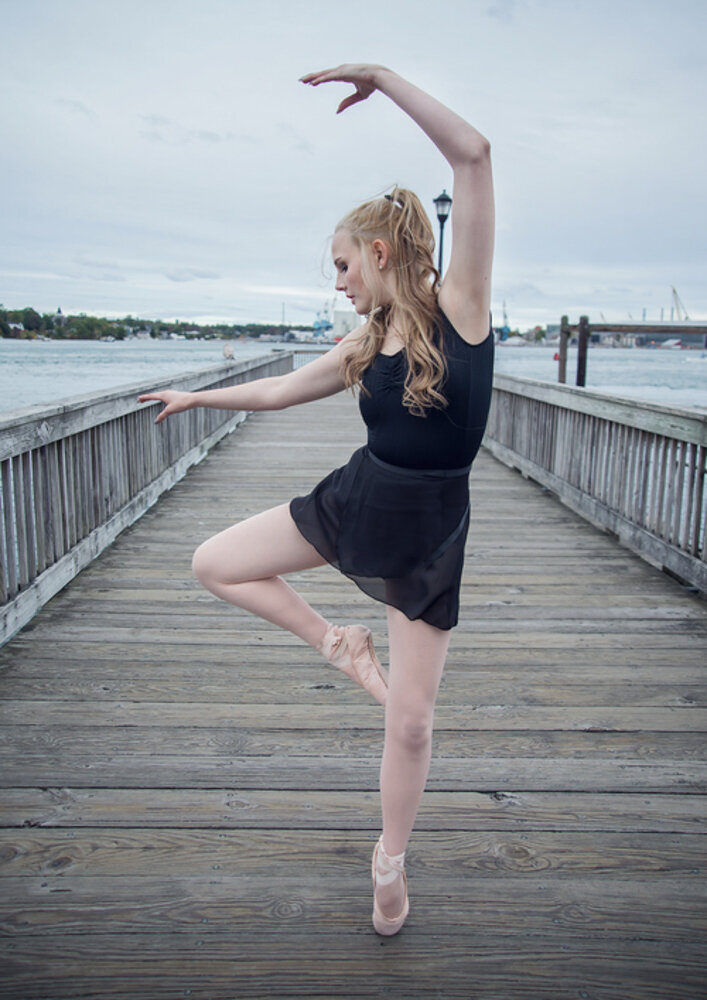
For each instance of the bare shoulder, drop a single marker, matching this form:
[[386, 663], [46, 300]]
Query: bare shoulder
[[468, 317]]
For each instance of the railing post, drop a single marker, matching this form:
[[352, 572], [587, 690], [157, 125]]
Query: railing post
[[582, 350], [564, 340]]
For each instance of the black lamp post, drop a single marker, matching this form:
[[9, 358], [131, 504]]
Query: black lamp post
[[443, 204]]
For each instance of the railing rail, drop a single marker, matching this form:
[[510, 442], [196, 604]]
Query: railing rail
[[633, 468], [75, 474]]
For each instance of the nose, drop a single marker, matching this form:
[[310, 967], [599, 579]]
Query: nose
[[340, 283]]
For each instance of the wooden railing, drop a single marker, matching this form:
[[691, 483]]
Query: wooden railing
[[74, 475], [633, 468]]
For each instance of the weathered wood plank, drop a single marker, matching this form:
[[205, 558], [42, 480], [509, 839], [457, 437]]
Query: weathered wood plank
[[368, 715], [233, 807], [602, 905], [268, 925], [350, 967], [363, 743], [280, 684], [301, 680], [32, 659], [283, 771], [257, 853], [570, 635]]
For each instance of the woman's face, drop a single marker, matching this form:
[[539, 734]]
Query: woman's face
[[349, 277]]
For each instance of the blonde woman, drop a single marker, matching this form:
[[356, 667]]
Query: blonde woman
[[395, 518]]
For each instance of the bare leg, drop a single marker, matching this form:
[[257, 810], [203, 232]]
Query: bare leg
[[242, 564], [417, 656]]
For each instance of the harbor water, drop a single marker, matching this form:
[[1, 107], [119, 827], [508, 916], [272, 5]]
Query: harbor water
[[44, 372]]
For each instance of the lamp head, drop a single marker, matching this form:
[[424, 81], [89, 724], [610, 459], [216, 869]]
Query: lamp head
[[443, 204]]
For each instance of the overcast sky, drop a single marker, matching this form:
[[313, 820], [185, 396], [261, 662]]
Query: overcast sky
[[160, 158]]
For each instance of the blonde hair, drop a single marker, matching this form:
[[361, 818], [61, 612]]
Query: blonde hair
[[401, 222]]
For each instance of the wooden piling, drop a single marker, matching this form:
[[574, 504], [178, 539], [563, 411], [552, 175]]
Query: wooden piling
[[564, 341], [582, 350]]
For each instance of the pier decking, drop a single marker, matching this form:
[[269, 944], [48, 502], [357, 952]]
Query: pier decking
[[189, 795]]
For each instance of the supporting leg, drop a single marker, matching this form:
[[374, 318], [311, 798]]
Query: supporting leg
[[417, 656]]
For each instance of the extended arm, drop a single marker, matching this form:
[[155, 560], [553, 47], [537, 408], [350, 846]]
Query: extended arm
[[466, 291], [314, 380]]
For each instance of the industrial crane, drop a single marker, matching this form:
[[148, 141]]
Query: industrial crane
[[680, 310]]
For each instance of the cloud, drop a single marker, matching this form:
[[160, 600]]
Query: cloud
[[502, 10], [182, 274], [98, 269], [296, 138], [525, 291], [156, 120], [76, 107], [285, 290], [206, 136], [171, 133]]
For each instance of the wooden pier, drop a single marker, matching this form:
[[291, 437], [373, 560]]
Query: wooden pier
[[189, 796]]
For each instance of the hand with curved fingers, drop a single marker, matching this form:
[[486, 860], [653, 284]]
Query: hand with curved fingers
[[361, 75], [175, 402]]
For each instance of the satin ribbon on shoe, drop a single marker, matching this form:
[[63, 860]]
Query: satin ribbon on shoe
[[384, 870]]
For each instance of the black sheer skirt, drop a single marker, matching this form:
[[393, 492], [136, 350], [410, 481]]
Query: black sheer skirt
[[399, 534]]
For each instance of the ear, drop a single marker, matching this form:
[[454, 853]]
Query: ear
[[381, 253]]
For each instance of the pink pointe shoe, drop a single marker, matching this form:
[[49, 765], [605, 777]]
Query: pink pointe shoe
[[385, 870], [351, 650]]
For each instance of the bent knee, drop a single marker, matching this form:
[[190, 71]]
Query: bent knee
[[206, 565], [200, 563]]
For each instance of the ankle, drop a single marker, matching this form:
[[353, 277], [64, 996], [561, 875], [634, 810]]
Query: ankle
[[329, 640], [391, 861], [324, 634]]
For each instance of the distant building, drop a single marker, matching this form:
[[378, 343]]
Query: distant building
[[345, 320]]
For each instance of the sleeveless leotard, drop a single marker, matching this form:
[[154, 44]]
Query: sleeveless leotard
[[444, 438]]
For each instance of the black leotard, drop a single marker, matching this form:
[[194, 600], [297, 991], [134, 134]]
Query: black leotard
[[445, 438]]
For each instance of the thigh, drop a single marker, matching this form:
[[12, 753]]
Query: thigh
[[265, 545], [417, 654]]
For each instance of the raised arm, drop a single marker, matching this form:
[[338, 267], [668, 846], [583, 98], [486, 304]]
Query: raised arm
[[466, 290], [315, 380]]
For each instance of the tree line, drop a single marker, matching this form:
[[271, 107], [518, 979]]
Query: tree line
[[27, 323]]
